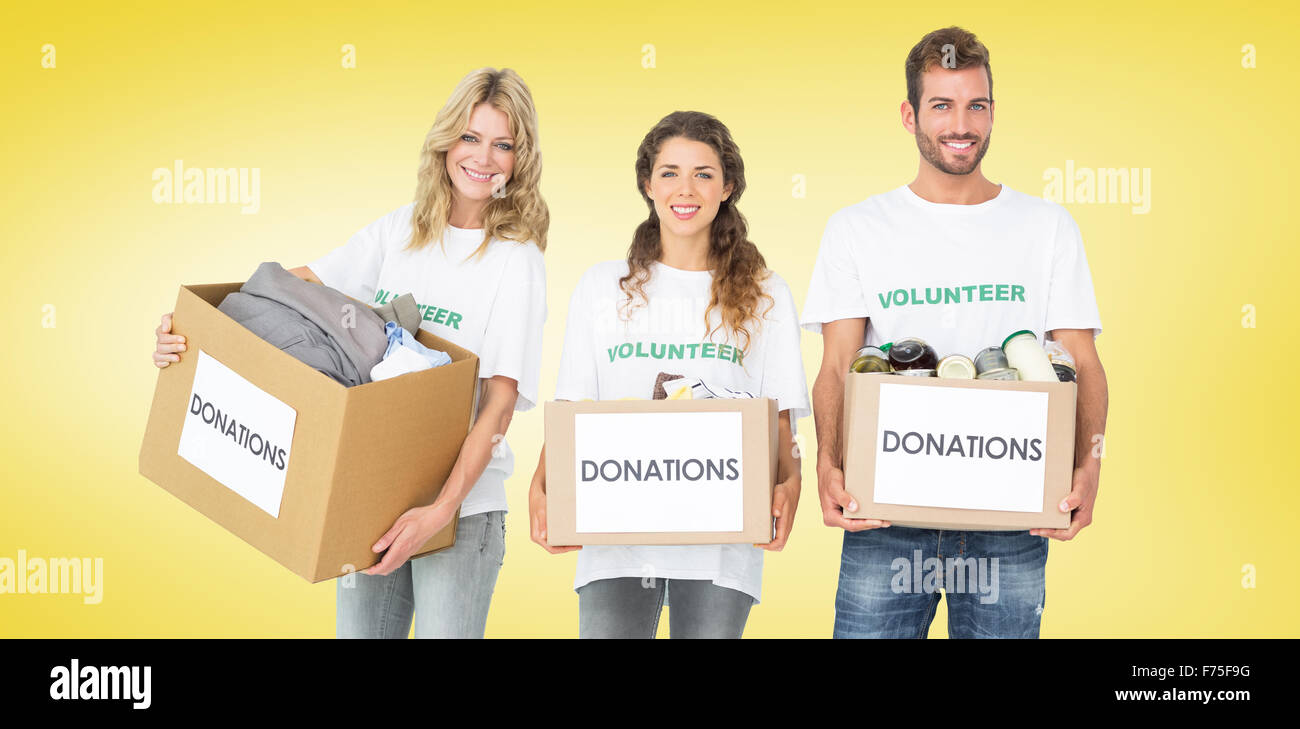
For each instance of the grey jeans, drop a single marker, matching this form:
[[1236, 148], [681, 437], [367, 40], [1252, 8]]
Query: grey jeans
[[448, 592], [629, 607]]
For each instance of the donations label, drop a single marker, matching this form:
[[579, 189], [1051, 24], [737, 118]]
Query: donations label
[[238, 434]]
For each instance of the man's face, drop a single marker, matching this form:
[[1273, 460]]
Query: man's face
[[955, 119]]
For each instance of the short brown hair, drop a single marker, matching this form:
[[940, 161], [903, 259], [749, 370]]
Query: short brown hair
[[966, 52]]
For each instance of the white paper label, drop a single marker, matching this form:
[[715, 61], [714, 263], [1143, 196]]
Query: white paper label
[[238, 434], [659, 472], [961, 448]]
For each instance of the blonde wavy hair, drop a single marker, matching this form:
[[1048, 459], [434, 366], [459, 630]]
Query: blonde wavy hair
[[521, 213]]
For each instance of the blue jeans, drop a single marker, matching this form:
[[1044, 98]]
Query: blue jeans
[[448, 592], [629, 607], [890, 580]]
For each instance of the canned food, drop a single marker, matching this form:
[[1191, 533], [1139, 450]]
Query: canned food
[[870, 359], [991, 358], [915, 373], [912, 354], [1064, 372], [1001, 373], [956, 367]]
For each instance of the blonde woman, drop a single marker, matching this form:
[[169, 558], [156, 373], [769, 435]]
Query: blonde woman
[[469, 248], [691, 276]]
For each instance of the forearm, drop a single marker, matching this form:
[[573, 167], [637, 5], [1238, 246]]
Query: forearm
[[539, 475], [475, 455], [787, 462], [305, 274], [1090, 416], [828, 413]]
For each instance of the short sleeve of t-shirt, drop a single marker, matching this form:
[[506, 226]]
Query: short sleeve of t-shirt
[[835, 291], [783, 373], [1071, 301], [353, 267], [577, 379], [512, 343]]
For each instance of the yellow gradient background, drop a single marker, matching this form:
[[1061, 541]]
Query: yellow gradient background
[[1199, 475]]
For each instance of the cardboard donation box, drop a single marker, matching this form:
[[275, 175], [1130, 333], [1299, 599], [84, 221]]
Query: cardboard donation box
[[660, 471], [959, 454], [304, 469]]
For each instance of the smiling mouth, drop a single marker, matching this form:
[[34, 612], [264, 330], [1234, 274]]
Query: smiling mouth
[[476, 176], [961, 146], [684, 212]]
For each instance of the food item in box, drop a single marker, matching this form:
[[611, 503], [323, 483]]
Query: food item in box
[[989, 359], [956, 367], [1064, 372], [1061, 360], [871, 359], [912, 354], [659, 392], [1002, 373], [1025, 354]]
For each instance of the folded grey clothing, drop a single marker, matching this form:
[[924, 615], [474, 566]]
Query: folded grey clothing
[[316, 324], [403, 311]]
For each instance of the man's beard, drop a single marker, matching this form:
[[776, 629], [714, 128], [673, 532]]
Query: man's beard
[[933, 153]]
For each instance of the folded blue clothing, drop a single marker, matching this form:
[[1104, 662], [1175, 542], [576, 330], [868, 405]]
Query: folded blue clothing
[[399, 337]]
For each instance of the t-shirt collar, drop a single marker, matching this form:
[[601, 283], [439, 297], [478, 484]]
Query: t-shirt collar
[[956, 209], [464, 233], [681, 273]]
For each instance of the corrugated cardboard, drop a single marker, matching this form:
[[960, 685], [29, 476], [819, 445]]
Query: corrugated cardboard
[[758, 443], [360, 456], [861, 436]]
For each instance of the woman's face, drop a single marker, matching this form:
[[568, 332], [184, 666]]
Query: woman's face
[[686, 186], [483, 159]]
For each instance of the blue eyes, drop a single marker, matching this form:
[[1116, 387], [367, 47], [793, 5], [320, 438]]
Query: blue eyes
[[943, 107], [669, 173], [503, 146]]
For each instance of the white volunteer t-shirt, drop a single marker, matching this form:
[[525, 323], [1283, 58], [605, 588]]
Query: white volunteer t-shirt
[[607, 358], [961, 277], [494, 306]]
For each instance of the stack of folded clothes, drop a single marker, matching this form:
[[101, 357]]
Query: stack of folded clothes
[[323, 327], [405, 354]]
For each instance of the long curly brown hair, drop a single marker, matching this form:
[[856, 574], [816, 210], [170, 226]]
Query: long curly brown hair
[[738, 268]]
